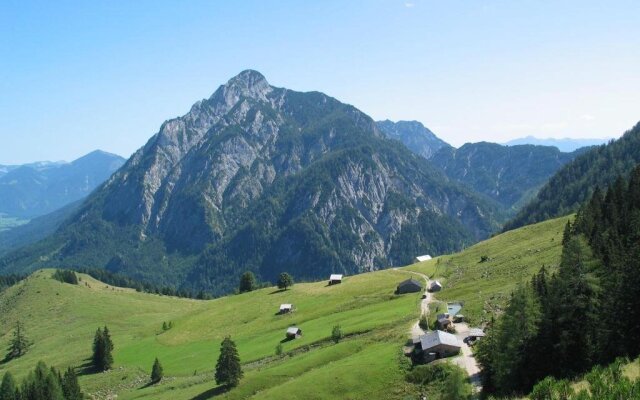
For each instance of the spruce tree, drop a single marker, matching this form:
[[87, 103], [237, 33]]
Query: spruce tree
[[102, 348], [8, 389], [70, 386], [228, 369], [247, 282], [108, 345], [98, 350], [19, 343], [156, 372]]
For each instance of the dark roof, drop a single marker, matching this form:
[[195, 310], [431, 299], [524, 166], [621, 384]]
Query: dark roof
[[410, 282]]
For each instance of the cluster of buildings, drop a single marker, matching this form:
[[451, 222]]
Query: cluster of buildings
[[293, 332]]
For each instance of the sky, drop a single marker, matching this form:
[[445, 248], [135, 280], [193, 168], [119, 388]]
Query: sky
[[85, 75]]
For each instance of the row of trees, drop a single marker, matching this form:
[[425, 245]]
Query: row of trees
[[248, 282], [42, 383], [586, 313]]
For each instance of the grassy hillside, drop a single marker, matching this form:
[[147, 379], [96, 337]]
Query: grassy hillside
[[484, 286], [61, 319]]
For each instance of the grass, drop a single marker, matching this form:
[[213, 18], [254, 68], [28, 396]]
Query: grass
[[513, 257], [61, 320]]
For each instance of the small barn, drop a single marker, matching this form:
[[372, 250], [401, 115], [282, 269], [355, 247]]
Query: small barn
[[335, 278], [435, 286], [409, 286], [294, 332], [439, 344], [425, 257], [285, 308]]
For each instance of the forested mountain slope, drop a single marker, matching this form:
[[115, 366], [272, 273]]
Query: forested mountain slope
[[576, 181]]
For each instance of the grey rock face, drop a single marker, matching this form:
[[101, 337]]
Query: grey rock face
[[414, 135]]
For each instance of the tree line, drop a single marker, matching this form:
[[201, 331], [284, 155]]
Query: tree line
[[586, 313], [43, 383]]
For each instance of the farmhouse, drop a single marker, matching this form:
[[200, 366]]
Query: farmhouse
[[439, 344], [335, 278], [435, 286], [285, 308], [409, 286], [423, 258], [294, 332]]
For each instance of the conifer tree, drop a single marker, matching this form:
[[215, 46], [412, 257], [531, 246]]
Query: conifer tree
[[8, 388], [156, 372], [102, 348], [228, 369], [70, 386], [19, 343]]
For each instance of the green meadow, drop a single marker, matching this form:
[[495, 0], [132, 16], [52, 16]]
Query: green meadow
[[61, 319]]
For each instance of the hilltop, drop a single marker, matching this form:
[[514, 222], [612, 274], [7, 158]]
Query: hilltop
[[376, 323]]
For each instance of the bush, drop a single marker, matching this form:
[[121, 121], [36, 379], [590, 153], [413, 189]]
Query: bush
[[443, 381], [336, 334]]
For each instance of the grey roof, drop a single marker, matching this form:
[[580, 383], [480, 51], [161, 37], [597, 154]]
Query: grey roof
[[436, 283], [335, 277], [410, 281], [477, 332], [423, 258], [286, 306], [435, 338], [293, 330]]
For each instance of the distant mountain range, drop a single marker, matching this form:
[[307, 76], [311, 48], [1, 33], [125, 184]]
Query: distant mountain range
[[573, 184], [265, 179], [510, 175], [566, 145], [35, 189]]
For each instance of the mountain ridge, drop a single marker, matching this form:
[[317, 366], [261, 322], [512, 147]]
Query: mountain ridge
[[266, 179]]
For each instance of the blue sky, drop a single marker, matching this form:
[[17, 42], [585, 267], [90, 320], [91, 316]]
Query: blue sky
[[76, 76]]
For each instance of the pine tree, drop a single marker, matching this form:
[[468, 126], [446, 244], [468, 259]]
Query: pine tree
[[108, 345], [70, 386], [156, 372], [102, 348], [98, 350], [228, 369], [284, 281], [19, 343], [247, 282], [8, 389]]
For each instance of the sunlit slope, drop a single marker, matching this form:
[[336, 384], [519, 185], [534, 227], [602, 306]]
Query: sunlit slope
[[61, 319], [511, 257]]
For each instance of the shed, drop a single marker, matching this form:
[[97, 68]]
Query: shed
[[435, 286], [409, 286], [285, 308], [476, 333], [441, 343], [425, 257], [335, 278], [458, 318], [294, 332]]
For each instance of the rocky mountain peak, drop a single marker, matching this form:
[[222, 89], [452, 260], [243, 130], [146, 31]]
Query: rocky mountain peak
[[249, 83]]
